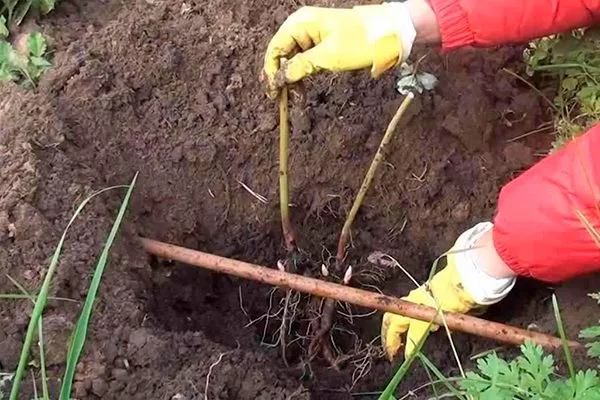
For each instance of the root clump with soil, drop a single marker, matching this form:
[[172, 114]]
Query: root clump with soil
[[322, 312]]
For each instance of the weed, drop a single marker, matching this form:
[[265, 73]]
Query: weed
[[529, 376], [592, 334], [26, 68], [14, 11], [574, 58], [40, 335], [81, 328], [3, 29], [388, 392], [79, 333], [26, 65]]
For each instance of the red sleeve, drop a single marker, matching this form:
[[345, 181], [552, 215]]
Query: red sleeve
[[537, 230], [493, 22]]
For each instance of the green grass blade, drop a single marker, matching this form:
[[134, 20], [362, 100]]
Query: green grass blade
[[412, 392], [390, 389], [80, 331], [432, 273], [486, 353], [27, 295], [433, 383], [563, 338], [44, 375], [41, 299], [434, 266], [24, 291], [445, 381], [16, 296]]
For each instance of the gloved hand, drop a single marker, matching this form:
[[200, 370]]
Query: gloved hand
[[376, 36], [461, 287]]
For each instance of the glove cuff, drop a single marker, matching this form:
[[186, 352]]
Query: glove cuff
[[405, 28], [483, 288], [388, 26]]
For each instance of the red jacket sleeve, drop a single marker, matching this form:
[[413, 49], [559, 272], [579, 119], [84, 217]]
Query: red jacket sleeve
[[539, 230], [493, 22]]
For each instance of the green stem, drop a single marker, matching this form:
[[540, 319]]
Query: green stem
[[430, 377], [79, 333], [45, 392], [586, 68], [15, 296], [431, 366], [284, 195], [563, 338], [390, 389], [44, 377], [389, 134]]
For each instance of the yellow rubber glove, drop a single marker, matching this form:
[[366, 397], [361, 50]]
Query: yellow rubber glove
[[449, 295], [463, 286], [338, 40]]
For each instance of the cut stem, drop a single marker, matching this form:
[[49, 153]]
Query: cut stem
[[364, 187], [284, 194]]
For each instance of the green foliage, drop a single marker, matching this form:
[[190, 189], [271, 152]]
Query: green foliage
[[42, 296], [532, 374], [575, 59], [26, 65], [592, 334], [40, 340], [429, 366], [81, 328], [36, 45], [16, 10], [26, 68], [529, 376], [3, 28], [388, 392]]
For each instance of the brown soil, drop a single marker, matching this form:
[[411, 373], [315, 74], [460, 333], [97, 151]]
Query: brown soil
[[147, 86]]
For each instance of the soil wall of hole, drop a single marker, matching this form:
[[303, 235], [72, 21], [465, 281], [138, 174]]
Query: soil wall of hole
[[173, 92]]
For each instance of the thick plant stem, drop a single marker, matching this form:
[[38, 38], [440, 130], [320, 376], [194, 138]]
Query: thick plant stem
[[328, 312], [364, 187], [284, 194]]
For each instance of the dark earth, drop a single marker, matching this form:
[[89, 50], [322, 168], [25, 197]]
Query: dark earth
[[172, 90]]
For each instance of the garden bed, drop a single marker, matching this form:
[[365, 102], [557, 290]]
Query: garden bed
[[171, 90]]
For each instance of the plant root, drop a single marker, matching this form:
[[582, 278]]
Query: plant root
[[324, 322], [329, 309], [322, 325], [283, 328]]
